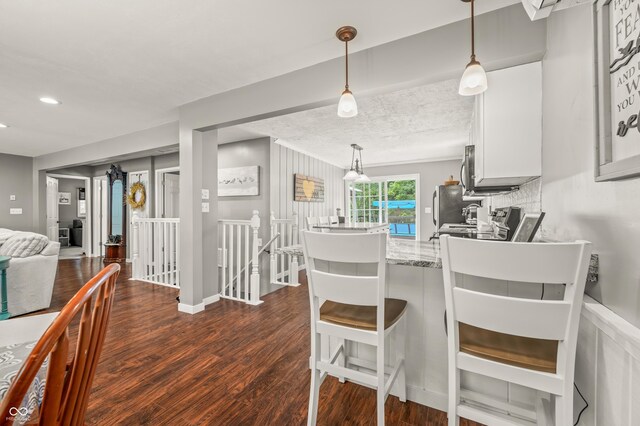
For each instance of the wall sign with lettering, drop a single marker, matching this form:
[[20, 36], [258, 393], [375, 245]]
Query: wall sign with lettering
[[618, 89]]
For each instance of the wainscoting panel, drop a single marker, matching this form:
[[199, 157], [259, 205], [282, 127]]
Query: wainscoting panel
[[607, 367], [285, 163]]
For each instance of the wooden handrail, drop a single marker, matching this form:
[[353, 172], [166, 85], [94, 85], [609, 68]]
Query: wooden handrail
[[68, 385]]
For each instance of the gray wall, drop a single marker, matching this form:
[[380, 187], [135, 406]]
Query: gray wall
[[577, 207], [254, 152], [67, 213], [431, 174], [285, 163], [16, 177]]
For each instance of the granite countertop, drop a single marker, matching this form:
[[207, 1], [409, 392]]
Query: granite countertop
[[362, 226], [399, 252], [424, 254]]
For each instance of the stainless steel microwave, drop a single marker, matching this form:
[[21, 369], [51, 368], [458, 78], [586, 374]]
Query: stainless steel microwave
[[467, 177]]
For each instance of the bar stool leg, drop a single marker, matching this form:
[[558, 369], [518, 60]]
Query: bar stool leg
[[454, 395], [343, 357], [380, 390], [315, 380], [400, 350]]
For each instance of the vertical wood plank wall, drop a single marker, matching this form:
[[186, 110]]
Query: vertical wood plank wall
[[285, 163]]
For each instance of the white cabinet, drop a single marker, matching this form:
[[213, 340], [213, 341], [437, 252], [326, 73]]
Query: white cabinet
[[507, 127]]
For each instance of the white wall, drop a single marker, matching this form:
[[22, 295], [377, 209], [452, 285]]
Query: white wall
[[577, 207], [285, 163]]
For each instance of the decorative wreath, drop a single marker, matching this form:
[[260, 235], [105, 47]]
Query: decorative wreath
[[137, 196]]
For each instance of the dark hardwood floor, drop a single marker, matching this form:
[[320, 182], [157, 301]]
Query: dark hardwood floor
[[232, 364]]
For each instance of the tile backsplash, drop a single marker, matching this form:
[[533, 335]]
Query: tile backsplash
[[528, 198]]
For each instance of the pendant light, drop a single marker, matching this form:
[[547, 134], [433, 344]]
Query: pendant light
[[356, 173], [474, 79], [347, 106]]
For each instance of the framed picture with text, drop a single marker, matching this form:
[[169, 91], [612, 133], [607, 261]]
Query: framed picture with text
[[617, 41]]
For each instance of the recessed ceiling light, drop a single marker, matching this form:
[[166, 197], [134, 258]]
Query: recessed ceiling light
[[50, 101], [3, 126]]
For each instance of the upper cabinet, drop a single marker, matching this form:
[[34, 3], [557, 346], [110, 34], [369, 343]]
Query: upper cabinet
[[507, 127]]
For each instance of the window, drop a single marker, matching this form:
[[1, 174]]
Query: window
[[393, 200]]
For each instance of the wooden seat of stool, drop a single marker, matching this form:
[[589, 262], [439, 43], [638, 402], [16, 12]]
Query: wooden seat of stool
[[362, 317], [525, 352]]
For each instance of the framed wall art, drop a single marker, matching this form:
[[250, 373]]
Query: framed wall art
[[617, 89], [239, 181], [64, 198], [308, 188]]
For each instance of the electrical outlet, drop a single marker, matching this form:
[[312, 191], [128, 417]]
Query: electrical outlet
[[427, 210], [205, 207], [12, 197], [205, 194], [15, 211]]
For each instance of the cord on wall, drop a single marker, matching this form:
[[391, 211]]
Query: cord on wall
[[586, 405]]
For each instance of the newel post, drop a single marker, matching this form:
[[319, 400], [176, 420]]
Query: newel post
[[254, 297], [295, 229], [294, 238], [135, 249], [272, 250]]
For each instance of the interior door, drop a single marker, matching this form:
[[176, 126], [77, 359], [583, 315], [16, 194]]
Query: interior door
[[171, 195], [99, 215], [52, 208]]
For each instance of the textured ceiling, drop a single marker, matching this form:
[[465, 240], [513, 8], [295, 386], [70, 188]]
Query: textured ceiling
[[120, 66], [425, 123]]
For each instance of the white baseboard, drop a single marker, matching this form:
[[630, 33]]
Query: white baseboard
[[190, 309], [211, 299]]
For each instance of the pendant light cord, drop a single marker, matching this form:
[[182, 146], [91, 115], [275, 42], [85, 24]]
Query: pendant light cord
[[346, 59], [473, 32]]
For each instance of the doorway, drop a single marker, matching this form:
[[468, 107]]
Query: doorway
[[69, 214], [390, 199], [168, 192]]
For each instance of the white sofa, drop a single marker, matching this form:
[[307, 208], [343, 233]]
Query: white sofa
[[30, 279]]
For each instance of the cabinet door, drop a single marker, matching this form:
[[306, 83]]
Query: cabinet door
[[511, 142]]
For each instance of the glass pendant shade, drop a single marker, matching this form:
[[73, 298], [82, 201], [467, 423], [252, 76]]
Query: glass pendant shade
[[474, 80], [363, 178], [351, 175], [347, 107]]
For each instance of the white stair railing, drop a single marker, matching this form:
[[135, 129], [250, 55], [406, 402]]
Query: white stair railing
[[284, 267], [238, 258], [156, 254]]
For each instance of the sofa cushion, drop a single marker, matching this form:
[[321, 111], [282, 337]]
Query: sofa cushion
[[24, 244], [11, 359]]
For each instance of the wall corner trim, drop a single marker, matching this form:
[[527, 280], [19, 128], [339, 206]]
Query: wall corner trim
[[190, 309]]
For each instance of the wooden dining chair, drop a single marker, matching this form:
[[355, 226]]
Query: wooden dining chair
[[529, 342], [334, 220], [353, 308], [68, 384], [324, 220]]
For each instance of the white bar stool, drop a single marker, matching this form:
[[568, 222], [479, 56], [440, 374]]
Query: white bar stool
[[354, 309]]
